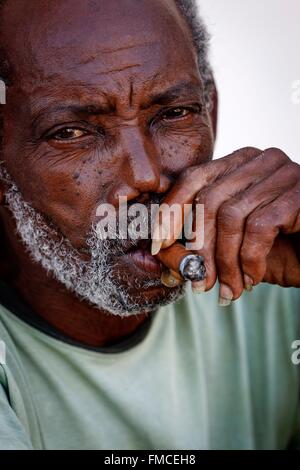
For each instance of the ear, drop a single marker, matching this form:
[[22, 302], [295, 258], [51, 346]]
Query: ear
[[213, 107]]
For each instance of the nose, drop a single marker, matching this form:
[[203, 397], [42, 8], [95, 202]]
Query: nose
[[140, 164], [140, 171]]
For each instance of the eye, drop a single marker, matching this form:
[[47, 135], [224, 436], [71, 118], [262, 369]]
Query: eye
[[68, 133], [179, 112]]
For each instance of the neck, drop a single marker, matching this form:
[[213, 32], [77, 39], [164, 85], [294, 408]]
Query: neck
[[59, 307]]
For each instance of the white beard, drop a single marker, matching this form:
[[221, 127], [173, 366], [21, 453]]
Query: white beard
[[93, 281]]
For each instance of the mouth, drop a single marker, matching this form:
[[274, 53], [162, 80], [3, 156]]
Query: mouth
[[140, 257], [137, 255]]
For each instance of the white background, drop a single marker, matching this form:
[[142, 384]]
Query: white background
[[255, 51]]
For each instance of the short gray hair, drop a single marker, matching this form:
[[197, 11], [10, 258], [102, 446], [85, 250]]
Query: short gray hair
[[190, 11]]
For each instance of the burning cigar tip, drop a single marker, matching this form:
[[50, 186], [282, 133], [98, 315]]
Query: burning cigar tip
[[188, 264], [192, 268]]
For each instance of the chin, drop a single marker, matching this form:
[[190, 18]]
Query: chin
[[139, 291], [147, 301]]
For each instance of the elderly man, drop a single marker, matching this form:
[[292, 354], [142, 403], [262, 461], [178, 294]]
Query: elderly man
[[116, 98]]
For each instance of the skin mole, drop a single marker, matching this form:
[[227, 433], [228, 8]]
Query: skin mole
[[76, 175]]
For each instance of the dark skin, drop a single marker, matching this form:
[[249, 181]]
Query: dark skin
[[252, 220], [121, 142], [124, 133]]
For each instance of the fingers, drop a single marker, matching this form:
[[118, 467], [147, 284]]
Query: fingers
[[249, 197], [262, 228], [171, 258], [283, 262], [235, 218], [193, 180], [226, 208]]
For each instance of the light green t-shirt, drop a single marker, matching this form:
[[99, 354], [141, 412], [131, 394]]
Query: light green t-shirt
[[203, 377]]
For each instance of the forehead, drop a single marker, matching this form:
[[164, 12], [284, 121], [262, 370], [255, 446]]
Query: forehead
[[96, 41]]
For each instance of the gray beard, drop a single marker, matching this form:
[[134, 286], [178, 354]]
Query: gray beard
[[95, 281]]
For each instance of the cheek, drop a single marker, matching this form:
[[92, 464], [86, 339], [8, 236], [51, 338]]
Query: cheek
[[183, 149], [68, 191]]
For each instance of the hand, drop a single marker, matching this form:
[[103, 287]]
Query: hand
[[252, 219]]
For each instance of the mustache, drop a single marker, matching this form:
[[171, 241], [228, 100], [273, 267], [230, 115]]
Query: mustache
[[123, 244]]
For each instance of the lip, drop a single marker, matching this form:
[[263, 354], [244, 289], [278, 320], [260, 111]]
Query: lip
[[143, 260]]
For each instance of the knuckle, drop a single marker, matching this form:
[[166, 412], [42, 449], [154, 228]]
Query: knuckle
[[187, 173], [202, 197], [207, 198], [248, 257], [262, 229], [247, 153], [294, 169], [229, 214], [289, 172], [251, 151], [275, 153], [257, 225]]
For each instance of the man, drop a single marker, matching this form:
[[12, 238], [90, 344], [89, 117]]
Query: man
[[109, 99]]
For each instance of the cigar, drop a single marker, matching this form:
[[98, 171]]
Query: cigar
[[189, 265]]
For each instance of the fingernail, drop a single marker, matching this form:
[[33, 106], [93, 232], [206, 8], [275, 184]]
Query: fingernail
[[248, 283], [225, 295], [224, 302], [155, 246], [168, 280], [158, 238], [198, 287]]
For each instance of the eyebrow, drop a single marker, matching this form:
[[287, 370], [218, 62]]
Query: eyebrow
[[89, 109], [72, 109], [161, 98], [171, 94]]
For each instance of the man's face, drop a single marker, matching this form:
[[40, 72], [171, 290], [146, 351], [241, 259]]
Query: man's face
[[107, 102]]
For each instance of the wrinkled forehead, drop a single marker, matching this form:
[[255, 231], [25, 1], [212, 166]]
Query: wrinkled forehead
[[91, 40]]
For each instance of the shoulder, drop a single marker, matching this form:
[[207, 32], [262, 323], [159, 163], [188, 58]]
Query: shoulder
[[17, 410]]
